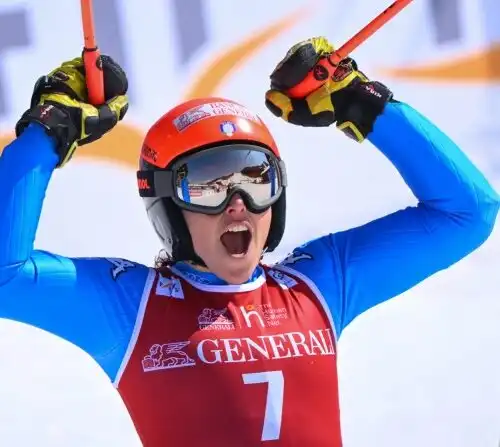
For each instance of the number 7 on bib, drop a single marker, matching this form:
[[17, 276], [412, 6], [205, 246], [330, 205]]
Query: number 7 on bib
[[274, 401]]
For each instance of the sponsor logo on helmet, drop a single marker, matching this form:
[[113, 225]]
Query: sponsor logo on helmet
[[199, 113], [149, 154], [227, 128]]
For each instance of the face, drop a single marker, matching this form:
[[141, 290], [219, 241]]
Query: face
[[230, 243]]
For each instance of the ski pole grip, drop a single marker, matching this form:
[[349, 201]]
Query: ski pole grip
[[94, 75], [326, 67], [315, 78]]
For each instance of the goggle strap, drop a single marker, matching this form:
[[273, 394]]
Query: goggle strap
[[154, 183], [282, 168]]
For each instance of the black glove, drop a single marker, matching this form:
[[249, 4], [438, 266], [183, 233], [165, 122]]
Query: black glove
[[60, 104], [349, 98]]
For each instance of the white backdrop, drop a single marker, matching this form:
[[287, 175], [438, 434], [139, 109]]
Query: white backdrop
[[423, 369]]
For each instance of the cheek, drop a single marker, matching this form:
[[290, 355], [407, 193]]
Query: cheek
[[264, 223], [200, 227]]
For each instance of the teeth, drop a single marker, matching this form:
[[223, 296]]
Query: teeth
[[239, 255], [234, 228]]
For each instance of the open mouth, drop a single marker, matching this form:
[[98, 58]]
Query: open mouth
[[236, 240]]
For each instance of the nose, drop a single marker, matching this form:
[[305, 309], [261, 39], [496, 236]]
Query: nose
[[236, 206]]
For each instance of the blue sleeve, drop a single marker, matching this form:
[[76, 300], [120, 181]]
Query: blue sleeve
[[91, 303], [456, 212]]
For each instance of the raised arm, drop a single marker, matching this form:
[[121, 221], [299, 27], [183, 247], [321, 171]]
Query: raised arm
[[26, 166], [362, 267], [456, 213], [90, 302]]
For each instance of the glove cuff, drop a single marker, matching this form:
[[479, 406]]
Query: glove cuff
[[358, 106], [57, 123]]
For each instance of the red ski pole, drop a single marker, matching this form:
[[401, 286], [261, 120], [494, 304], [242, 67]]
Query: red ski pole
[[311, 83], [91, 56]]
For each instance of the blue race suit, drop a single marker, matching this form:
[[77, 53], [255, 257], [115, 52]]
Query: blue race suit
[[93, 302]]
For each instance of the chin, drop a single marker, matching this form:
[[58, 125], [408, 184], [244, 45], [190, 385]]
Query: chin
[[237, 271]]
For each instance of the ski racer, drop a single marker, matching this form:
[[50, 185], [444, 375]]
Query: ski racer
[[212, 347]]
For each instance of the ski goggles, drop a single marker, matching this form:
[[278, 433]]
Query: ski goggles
[[205, 181]]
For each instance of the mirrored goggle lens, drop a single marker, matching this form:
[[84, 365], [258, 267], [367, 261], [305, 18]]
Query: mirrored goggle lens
[[209, 177]]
